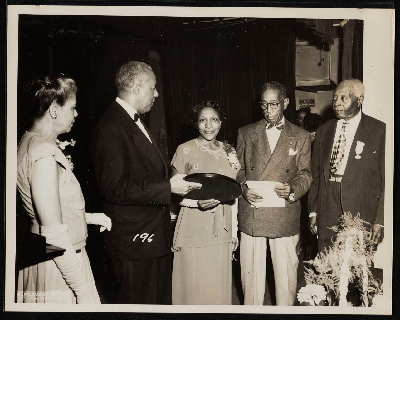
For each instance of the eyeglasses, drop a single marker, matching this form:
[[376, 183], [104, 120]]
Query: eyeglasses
[[264, 105]]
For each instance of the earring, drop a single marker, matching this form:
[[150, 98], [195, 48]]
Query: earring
[[55, 116]]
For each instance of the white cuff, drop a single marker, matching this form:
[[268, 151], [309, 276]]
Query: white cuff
[[189, 203]]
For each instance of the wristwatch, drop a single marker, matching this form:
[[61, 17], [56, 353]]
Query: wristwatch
[[291, 195]]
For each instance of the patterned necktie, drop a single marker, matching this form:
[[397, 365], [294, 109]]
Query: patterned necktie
[[338, 150], [279, 125]]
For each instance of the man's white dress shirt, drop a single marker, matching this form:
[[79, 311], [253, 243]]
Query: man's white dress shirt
[[131, 111], [273, 135], [349, 133]]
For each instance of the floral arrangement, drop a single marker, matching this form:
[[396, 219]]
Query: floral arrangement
[[347, 262], [62, 146], [231, 155], [312, 294]]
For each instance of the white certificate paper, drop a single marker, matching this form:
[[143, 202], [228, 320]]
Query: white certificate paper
[[266, 190]]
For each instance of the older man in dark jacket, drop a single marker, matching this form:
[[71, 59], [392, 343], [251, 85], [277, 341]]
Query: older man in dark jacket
[[348, 167]]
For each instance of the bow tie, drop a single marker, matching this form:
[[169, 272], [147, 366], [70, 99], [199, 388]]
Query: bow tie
[[279, 126], [136, 117]]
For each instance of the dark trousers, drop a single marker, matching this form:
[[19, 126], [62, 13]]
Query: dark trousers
[[142, 281], [330, 215]]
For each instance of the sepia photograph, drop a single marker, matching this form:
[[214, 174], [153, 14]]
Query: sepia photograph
[[199, 160]]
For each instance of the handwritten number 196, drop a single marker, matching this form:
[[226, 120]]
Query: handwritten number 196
[[144, 236]]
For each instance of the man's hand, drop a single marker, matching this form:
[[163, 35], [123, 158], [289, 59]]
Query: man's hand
[[182, 187], [312, 224], [207, 204], [377, 234], [250, 195], [235, 245], [282, 190]]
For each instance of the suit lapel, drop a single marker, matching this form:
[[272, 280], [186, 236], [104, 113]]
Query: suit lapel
[[157, 149], [260, 141], [285, 142], [361, 135], [150, 150], [327, 148]]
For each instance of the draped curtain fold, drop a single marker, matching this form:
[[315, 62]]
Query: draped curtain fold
[[229, 64], [352, 61], [323, 28]]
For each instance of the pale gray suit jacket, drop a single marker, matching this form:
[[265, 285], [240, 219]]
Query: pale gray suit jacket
[[290, 162]]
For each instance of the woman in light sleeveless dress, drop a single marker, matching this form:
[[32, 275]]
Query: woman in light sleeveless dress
[[53, 199]]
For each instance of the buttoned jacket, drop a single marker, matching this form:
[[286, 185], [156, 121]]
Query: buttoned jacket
[[133, 179], [363, 181], [289, 162]]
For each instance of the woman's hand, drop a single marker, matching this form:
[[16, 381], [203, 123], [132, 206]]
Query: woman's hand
[[99, 219], [207, 204]]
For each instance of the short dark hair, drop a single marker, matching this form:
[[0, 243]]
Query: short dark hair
[[43, 91], [214, 104], [273, 85], [306, 110], [128, 74], [312, 122]]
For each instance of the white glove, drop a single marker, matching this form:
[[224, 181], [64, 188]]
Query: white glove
[[68, 263], [99, 219]]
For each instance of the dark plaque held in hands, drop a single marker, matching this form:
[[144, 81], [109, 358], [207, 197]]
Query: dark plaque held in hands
[[214, 186]]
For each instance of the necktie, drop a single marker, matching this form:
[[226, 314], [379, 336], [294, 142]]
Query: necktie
[[136, 117], [338, 150], [279, 125]]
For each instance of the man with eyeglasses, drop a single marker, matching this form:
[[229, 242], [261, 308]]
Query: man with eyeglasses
[[272, 150], [348, 167]]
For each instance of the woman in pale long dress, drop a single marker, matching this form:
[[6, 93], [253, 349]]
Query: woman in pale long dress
[[206, 231], [53, 200]]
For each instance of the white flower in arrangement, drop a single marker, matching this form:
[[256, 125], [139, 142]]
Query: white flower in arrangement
[[311, 294], [359, 149]]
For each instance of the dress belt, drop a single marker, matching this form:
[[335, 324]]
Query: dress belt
[[335, 178]]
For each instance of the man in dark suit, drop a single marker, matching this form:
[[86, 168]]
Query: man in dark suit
[[348, 167], [273, 150], [133, 177]]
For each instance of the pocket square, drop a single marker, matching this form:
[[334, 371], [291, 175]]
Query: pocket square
[[292, 152]]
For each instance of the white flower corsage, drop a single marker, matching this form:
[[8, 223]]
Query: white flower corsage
[[62, 146], [231, 155], [359, 149]]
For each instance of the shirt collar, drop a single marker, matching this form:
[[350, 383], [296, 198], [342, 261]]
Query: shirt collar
[[127, 107], [282, 121], [353, 121]]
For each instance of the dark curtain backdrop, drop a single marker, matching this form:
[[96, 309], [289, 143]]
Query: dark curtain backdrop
[[352, 61], [229, 64]]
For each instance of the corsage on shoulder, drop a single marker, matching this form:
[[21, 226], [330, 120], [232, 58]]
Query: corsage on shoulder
[[231, 155], [62, 146]]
